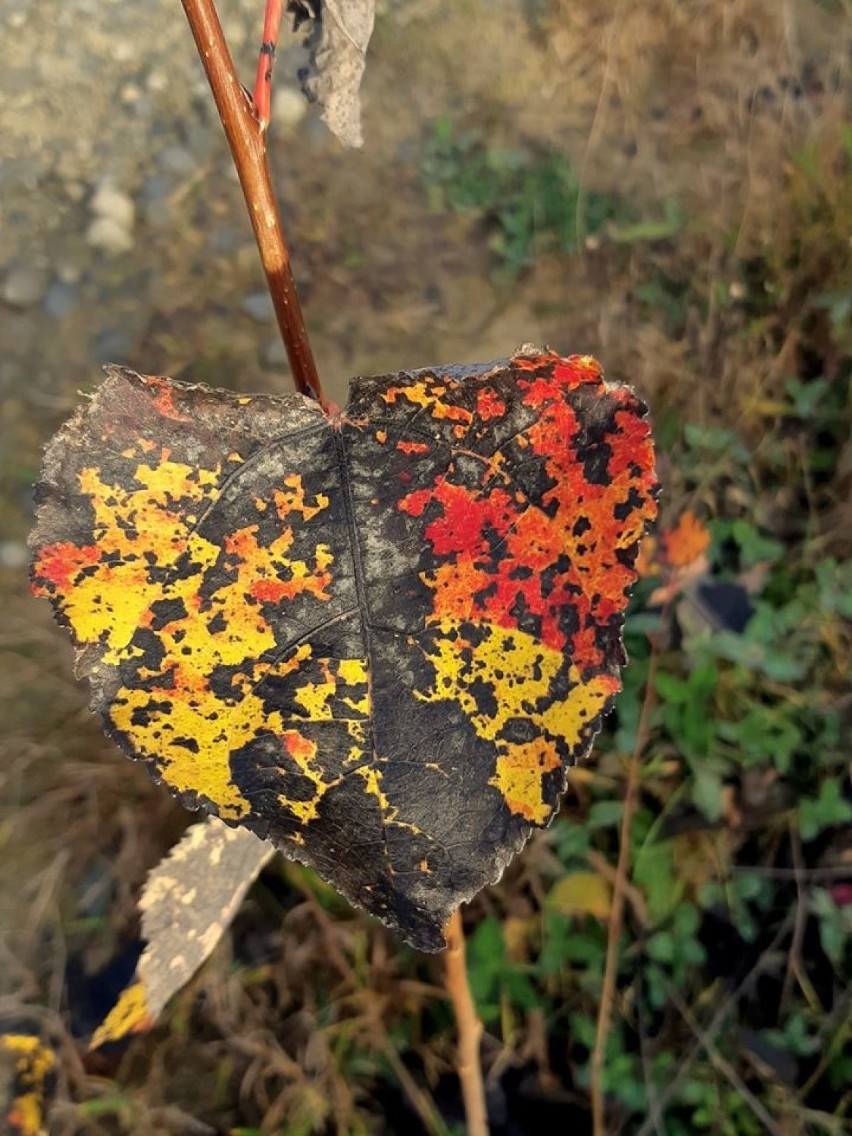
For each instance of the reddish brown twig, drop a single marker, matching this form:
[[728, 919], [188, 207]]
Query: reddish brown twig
[[266, 62], [247, 140], [631, 797], [469, 1028]]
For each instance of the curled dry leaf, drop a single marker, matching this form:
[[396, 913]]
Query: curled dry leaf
[[338, 44], [187, 903]]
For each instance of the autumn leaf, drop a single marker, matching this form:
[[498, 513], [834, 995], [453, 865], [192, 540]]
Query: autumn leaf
[[581, 893], [686, 543], [377, 639], [27, 1076]]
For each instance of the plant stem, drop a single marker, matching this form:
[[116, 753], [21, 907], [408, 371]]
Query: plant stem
[[266, 61], [246, 135], [616, 915], [469, 1028]]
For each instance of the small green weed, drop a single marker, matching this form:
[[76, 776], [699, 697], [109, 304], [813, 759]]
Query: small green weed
[[531, 203]]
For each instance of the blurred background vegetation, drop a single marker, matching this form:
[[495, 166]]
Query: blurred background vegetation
[[664, 183]]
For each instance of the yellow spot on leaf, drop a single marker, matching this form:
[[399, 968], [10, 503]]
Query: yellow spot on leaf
[[520, 766], [519, 672]]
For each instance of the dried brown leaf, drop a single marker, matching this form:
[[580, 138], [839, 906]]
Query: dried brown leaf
[[338, 45]]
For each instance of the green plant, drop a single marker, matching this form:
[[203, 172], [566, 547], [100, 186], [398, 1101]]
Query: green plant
[[531, 202]]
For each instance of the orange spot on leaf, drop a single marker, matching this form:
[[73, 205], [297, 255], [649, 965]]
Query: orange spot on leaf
[[59, 564]]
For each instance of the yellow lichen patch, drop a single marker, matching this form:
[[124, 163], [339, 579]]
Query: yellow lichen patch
[[520, 766], [133, 530], [344, 683], [519, 672], [129, 1015], [292, 499], [33, 1057], [22, 1111], [429, 394], [372, 778], [303, 753], [418, 393], [190, 728]]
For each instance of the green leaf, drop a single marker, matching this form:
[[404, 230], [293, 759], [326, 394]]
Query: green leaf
[[708, 792], [602, 814], [835, 924], [829, 808]]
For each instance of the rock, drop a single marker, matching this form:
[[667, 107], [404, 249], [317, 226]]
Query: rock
[[110, 345], [123, 50], [275, 353], [61, 298], [156, 81], [176, 160], [259, 306], [289, 107], [25, 286], [13, 554], [111, 229], [68, 271], [110, 202], [155, 193], [109, 236], [130, 93]]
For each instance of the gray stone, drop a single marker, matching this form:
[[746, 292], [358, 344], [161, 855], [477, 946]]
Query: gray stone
[[25, 285], [111, 345], [61, 298], [259, 306], [176, 160], [109, 236], [13, 554], [289, 107], [110, 202], [275, 353]]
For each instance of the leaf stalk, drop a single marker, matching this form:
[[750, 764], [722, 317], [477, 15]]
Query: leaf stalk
[[469, 1026], [245, 130]]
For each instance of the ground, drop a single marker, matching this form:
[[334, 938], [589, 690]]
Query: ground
[[702, 147]]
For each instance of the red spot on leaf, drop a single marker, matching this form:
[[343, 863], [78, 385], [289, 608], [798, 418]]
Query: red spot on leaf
[[489, 405], [62, 563]]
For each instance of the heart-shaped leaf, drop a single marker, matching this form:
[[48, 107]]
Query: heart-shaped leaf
[[376, 639]]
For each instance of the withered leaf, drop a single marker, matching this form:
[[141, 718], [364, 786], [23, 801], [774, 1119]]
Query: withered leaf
[[338, 42], [377, 639], [187, 903]]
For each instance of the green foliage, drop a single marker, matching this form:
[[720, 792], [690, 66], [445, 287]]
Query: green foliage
[[531, 202], [494, 979]]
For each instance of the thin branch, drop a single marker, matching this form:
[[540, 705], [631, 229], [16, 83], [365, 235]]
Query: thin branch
[[266, 62], [794, 954], [469, 1028], [616, 917], [247, 139]]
